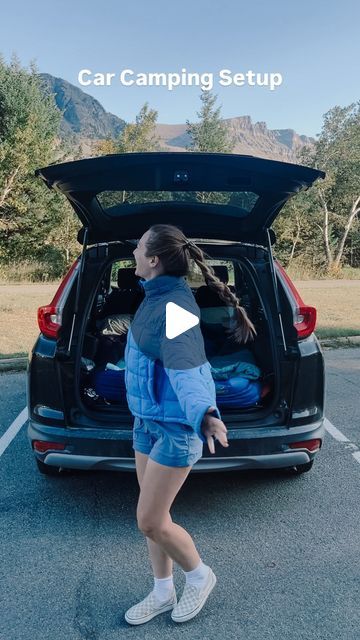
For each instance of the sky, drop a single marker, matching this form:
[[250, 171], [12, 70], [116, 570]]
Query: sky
[[314, 45]]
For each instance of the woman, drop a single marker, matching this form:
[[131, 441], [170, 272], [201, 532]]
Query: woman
[[171, 393]]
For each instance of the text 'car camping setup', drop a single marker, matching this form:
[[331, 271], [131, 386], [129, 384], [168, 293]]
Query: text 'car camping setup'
[[270, 391]]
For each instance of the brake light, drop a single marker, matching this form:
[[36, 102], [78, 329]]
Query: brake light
[[310, 445], [305, 321], [304, 315], [50, 316], [41, 446], [49, 320]]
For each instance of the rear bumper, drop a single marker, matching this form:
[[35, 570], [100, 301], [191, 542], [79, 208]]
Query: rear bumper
[[69, 461], [251, 448]]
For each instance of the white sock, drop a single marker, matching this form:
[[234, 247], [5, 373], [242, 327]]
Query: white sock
[[198, 575], [163, 588]]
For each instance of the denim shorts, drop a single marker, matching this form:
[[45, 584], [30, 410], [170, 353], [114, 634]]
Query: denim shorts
[[170, 443]]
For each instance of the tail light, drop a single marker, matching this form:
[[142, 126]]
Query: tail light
[[50, 316], [310, 445], [304, 315], [41, 446], [305, 321]]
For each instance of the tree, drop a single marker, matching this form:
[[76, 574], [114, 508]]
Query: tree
[[338, 197], [135, 137], [29, 127], [105, 147], [140, 136], [297, 235], [210, 133], [29, 123]]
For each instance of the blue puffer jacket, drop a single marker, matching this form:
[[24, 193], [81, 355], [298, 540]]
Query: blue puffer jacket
[[163, 377]]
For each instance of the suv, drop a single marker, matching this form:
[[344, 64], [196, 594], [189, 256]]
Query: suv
[[270, 391]]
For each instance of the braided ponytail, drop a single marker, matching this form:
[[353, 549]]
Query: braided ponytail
[[245, 329], [175, 250]]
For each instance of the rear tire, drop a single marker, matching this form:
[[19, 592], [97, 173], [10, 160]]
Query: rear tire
[[48, 470], [299, 468]]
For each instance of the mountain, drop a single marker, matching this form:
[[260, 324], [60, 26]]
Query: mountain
[[250, 138], [83, 115], [86, 119]]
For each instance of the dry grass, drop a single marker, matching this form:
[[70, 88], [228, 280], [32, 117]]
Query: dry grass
[[18, 315], [337, 302]]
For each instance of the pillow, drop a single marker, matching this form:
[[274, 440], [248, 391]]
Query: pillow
[[117, 325]]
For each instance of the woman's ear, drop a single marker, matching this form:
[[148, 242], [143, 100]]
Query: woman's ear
[[154, 261]]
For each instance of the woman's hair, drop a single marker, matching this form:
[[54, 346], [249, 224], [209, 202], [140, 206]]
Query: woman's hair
[[175, 252]]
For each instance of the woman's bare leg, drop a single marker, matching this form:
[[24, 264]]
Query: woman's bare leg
[[161, 562], [160, 485]]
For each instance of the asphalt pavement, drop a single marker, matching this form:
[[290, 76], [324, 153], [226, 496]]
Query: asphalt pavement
[[285, 549]]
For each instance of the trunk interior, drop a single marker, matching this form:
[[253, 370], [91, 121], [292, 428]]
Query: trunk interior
[[244, 374]]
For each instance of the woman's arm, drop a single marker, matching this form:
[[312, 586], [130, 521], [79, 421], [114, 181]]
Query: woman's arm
[[213, 427], [193, 394], [193, 383], [197, 404]]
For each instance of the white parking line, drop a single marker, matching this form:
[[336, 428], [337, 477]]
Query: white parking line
[[334, 431], [15, 427], [341, 438], [11, 432]]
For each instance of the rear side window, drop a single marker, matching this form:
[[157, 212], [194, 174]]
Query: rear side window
[[123, 286], [116, 270], [224, 269]]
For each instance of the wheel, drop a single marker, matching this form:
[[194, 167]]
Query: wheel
[[299, 468], [47, 470]]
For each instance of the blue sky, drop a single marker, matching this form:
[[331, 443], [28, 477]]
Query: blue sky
[[314, 45]]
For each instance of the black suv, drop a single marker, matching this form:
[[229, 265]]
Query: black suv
[[226, 203]]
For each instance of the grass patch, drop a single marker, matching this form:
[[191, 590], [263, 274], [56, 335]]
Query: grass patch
[[18, 316], [302, 272], [17, 354], [341, 332], [337, 303]]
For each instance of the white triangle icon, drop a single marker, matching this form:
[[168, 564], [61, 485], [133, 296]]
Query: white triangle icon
[[178, 320]]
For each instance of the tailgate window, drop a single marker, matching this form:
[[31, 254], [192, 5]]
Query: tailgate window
[[111, 201]]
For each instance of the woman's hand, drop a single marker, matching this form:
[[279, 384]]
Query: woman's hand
[[212, 426]]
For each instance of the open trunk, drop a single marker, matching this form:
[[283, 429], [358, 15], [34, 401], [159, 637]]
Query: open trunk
[[222, 197], [247, 376]]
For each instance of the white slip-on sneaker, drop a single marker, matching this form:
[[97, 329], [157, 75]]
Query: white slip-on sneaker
[[193, 599], [149, 608]]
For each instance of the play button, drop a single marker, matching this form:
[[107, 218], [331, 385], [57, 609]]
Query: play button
[[178, 320], [167, 328]]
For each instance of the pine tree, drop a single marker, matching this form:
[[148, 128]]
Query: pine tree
[[210, 134], [30, 214]]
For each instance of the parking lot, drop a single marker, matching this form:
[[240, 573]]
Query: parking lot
[[285, 549]]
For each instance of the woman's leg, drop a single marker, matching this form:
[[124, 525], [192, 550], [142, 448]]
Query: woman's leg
[[160, 485], [161, 562]]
